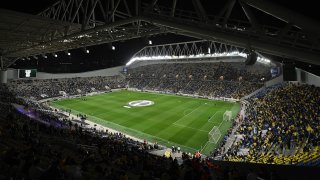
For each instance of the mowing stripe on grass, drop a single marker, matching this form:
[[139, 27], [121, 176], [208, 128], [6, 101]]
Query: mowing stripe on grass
[[172, 120], [132, 132], [209, 120], [188, 114], [175, 124]]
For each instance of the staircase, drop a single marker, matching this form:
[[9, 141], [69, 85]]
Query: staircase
[[253, 93], [229, 143], [121, 74], [231, 139]]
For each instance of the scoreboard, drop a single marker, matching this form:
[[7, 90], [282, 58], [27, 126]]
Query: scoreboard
[[27, 73], [275, 71]]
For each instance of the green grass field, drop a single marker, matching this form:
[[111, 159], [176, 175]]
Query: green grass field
[[171, 120]]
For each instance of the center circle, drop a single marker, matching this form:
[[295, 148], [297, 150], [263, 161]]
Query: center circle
[[140, 103]]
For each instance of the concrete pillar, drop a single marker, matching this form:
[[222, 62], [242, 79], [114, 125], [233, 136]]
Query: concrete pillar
[[3, 76]]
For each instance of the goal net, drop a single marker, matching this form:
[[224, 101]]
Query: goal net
[[214, 135], [227, 116]]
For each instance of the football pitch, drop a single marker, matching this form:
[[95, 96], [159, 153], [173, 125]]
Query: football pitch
[[163, 118]]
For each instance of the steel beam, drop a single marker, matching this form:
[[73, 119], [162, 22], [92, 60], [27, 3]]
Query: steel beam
[[228, 12], [296, 45], [286, 15], [137, 7], [1, 63], [238, 40], [127, 8], [250, 16], [113, 10], [199, 9], [151, 6], [88, 31], [9, 62], [91, 12], [173, 9], [223, 11]]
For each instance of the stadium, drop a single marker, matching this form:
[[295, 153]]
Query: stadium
[[161, 89]]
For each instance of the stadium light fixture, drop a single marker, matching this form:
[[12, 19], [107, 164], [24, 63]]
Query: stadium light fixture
[[150, 42], [111, 47], [54, 54], [67, 53], [263, 60], [85, 50], [194, 56], [84, 35]]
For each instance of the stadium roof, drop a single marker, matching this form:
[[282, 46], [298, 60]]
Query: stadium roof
[[70, 24], [20, 31]]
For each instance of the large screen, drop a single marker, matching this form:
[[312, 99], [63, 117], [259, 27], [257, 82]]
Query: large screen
[[275, 71], [125, 70], [289, 72], [27, 73]]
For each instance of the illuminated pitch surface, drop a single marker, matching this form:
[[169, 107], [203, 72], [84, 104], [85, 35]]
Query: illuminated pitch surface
[[169, 119]]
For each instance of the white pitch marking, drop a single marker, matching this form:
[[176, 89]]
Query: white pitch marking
[[189, 127]]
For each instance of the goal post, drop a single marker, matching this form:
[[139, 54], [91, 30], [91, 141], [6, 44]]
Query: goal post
[[214, 135], [227, 116]]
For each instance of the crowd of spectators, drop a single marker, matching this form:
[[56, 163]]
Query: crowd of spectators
[[44, 88], [33, 149], [6, 96], [41, 149], [280, 118], [282, 126], [230, 80], [30, 149]]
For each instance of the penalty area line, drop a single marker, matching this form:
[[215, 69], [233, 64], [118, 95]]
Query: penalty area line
[[175, 124], [213, 116], [204, 146], [188, 113]]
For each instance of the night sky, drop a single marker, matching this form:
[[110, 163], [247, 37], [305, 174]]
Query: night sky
[[102, 56]]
